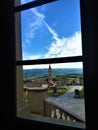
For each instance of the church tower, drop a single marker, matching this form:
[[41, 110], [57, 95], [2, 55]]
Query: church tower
[[50, 74]]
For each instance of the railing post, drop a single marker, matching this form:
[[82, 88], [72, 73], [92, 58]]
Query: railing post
[[36, 97]]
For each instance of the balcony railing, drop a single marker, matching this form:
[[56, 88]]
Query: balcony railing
[[55, 111]]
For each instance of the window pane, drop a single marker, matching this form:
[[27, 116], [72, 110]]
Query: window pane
[[26, 1], [20, 2], [52, 93], [52, 30]]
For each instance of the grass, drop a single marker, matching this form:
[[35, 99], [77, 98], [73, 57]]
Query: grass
[[81, 93], [60, 91]]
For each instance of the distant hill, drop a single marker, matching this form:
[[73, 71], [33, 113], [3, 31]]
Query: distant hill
[[57, 71]]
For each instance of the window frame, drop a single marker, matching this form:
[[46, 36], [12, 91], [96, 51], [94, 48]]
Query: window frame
[[69, 59], [34, 4], [90, 51]]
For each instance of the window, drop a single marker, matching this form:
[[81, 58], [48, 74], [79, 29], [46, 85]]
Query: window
[[90, 61], [41, 48]]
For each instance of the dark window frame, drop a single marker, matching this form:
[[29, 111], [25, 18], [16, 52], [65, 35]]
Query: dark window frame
[[69, 59], [34, 4], [90, 61]]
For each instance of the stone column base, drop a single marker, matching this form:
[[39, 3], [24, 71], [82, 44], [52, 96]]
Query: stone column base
[[23, 110]]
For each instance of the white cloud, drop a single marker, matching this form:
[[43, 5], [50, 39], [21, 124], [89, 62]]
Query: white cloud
[[67, 65], [35, 22], [54, 34], [59, 47], [35, 66], [39, 15], [59, 65], [66, 46]]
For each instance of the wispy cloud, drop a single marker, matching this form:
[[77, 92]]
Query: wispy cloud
[[35, 22], [54, 34], [39, 15], [70, 46], [59, 47]]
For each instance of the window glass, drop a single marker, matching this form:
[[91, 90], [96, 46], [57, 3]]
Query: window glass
[[52, 30], [50, 91], [53, 91], [21, 2], [26, 1]]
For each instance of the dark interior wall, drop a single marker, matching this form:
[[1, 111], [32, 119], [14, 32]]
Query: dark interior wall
[[7, 63], [89, 16]]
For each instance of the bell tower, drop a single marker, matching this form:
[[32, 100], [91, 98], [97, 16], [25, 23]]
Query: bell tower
[[50, 74]]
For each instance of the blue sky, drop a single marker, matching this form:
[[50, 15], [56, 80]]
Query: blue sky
[[51, 30]]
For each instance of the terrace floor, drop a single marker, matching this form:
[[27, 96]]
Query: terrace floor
[[70, 103]]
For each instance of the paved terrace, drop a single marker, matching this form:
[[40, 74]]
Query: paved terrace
[[67, 101]]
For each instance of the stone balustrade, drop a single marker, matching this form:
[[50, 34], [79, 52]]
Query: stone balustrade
[[39, 104], [54, 111]]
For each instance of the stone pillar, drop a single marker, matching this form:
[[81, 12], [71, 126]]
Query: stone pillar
[[23, 109], [36, 99]]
